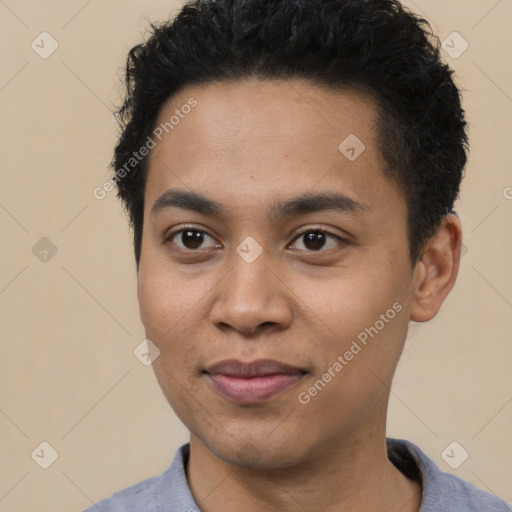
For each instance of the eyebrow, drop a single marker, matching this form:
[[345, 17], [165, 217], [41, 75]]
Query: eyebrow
[[306, 203]]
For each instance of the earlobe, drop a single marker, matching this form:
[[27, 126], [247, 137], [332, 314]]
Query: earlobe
[[435, 275]]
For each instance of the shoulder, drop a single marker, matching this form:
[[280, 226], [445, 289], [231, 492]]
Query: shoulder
[[442, 491], [168, 491], [140, 496], [457, 492]]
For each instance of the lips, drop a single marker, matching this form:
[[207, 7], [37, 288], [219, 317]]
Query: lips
[[250, 383]]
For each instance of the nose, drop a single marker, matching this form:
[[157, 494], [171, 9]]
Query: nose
[[252, 299]]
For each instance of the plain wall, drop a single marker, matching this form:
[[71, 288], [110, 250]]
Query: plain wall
[[69, 325]]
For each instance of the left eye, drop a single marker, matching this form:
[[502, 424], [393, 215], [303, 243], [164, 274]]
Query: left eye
[[190, 238], [316, 240]]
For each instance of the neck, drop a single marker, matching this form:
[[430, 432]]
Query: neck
[[352, 475]]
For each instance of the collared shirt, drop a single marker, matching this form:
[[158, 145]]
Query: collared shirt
[[442, 492]]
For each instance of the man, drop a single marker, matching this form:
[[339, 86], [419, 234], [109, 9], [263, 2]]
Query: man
[[290, 169]]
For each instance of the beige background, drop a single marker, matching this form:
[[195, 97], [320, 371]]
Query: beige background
[[69, 325]]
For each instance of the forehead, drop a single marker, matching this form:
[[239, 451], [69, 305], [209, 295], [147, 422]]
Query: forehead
[[268, 138]]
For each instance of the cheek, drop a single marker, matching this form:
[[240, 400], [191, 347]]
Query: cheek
[[171, 310], [168, 317], [362, 314], [163, 299], [353, 298]]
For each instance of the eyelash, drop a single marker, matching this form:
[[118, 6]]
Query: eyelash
[[317, 229]]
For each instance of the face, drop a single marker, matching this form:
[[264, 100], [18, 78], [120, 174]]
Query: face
[[265, 242]]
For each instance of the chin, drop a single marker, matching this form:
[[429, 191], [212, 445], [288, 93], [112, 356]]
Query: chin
[[253, 452]]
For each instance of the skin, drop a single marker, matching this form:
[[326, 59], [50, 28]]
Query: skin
[[248, 145]]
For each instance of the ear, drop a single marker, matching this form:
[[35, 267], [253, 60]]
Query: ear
[[140, 285], [435, 274]]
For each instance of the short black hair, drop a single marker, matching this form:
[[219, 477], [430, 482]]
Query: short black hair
[[376, 47]]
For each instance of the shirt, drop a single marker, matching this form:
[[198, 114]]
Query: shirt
[[442, 492]]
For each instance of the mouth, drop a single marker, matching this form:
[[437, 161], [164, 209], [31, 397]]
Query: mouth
[[252, 383]]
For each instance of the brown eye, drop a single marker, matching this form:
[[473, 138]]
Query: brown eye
[[190, 239], [316, 240]]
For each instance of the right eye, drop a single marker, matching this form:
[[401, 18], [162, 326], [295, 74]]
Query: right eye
[[190, 239]]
